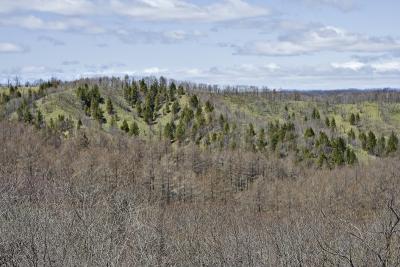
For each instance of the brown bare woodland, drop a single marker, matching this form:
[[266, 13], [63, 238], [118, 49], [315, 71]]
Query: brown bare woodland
[[118, 201]]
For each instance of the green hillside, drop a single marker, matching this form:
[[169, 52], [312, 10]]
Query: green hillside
[[315, 130]]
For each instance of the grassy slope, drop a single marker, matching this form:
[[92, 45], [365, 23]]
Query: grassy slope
[[381, 118]]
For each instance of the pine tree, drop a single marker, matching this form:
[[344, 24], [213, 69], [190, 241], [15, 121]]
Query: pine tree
[[175, 107], [134, 129], [327, 122], [180, 132], [172, 91], [371, 142], [261, 139], [309, 133], [39, 119], [169, 131], [333, 124], [125, 126], [351, 134], [209, 107], [352, 119], [226, 128], [315, 114], [392, 143], [194, 101], [181, 90], [109, 106]]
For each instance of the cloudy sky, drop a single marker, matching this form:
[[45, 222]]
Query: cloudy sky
[[296, 44]]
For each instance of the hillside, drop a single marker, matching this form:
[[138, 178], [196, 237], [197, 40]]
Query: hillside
[[153, 172], [322, 128]]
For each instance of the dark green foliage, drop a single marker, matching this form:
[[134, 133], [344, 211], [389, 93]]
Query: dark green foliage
[[339, 148], [125, 126], [351, 157], [180, 131], [79, 124], [352, 119], [24, 113], [91, 99], [327, 122], [323, 140], [392, 143], [181, 90], [221, 120], [333, 124], [309, 133], [172, 91], [194, 101], [351, 134], [131, 93], [175, 107], [39, 121], [169, 131], [315, 114], [226, 128], [109, 106], [187, 115], [261, 139], [371, 142], [209, 107], [134, 129]]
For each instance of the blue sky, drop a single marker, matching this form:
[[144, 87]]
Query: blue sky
[[297, 44]]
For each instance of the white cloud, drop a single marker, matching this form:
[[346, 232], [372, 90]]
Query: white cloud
[[152, 10], [325, 38], [391, 66], [154, 71], [185, 11], [64, 7], [10, 48], [35, 23], [352, 65]]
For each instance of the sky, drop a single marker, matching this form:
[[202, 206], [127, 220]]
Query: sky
[[288, 44]]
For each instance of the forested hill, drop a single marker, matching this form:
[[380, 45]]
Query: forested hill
[[318, 128]]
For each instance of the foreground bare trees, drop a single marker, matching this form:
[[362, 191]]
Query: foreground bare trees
[[116, 201]]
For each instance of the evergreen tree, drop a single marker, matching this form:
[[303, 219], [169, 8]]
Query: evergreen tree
[[194, 101], [333, 124], [351, 134], [181, 90], [169, 131], [125, 126], [371, 142], [392, 144], [180, 131], [352, 119], [175, 107], [226, 128], [209, 107], [109, 106], [261, 139], [134, 129], [309, 133], [315, 114], [172, 91], [39, 119], [327, 122]]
